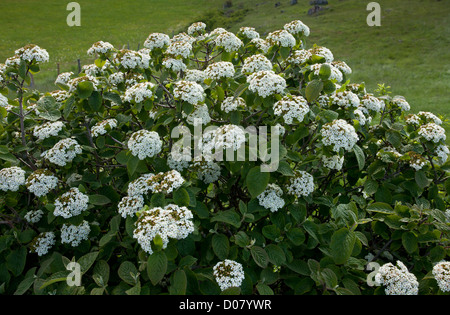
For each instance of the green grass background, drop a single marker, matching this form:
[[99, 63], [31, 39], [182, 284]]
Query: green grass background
[[410, 51]]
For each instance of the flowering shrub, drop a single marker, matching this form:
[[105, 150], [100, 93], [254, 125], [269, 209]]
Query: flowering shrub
[[95, 173]]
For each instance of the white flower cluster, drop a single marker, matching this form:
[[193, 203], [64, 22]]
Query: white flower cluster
[[361, 118], [189, 91], [156, 40], [256, 63], [442, 153], [75, 234], [334, 163], [335, 74], [199, 115], [3, 100], [60, 95], [282, 38], [47, 130], [223, 138], [416, 160], [2, 72], [339, 134], [230, 104], [370, 102], [195, 75], [261, 44], [228, 41], [100, 48], [32, 53], [219, 70], [71, 203], [228, 274], [116, 78], [397, 279], [271, 199], [139, 186], [430, 117], [91, 70], [207, 171], [196, 27], [345, 99], [441, 272], [249, 32], [34, 216], [11, 178], [401, 103], [342, 66], [322, 52], [165, 182], [41, 182], [302, 184], [63, 78], [432, 132], [176, 65], [129, 205], [266, 83], [139, 92], [130, 59], [297, 27], [170, 222], [178, 161], [179, 49], [73, 83], [144, 143], [291, 107], [42, 243], [63, 152], [299, 57], [102, 127]]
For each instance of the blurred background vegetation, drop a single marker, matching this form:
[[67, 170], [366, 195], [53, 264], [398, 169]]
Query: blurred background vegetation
[[409, 52]]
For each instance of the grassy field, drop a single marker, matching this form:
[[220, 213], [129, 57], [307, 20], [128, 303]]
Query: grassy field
[[409, 51]]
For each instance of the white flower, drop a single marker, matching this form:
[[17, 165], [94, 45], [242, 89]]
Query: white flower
[[334, 75], [11, 178], [397, 279], [230, 104], [116, 78], [12, 61], [144, 143], [256, 63], [282, 38], [170, 222], [226, 137], [322, 52], [219, 70], [432, 132], [228, 274], [261, 44], [207, 171], [139, 92], [42, 243], [342, 66], [62, 152], [441, 272], [370, 102], [34, 216], [412, 119], [195, 75], [99, 48], [183, 37], [291, 107], [266, 83], [60, 95], [442, 152], [196, 27], [249, 32], [189, 91], [176, 65], [139, 186], [178, 161], [228, 41], [73, 83], [41, 182], [63, 78], [271, 199], [102, 127], [47, 130], [359, 116], [345, 99], [401, 103], [156, 40], [2, 72], [416, 161], [296, 27], [302, 184], [165, 182], [199, 115], [91, 70], [71, 203], [430, 117], [334, 163], [299, 57], [130, 59], [32, 53], [75, 234], [179, 49], [339, 134], [129, 205]]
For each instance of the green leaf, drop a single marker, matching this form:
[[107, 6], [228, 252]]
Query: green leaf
[[128, 273], [229, 217], [359, 153], [16, 260], [257, 181], [259, 256], [48, 108], [85, 89], [324, 71], [285, 169], [275, 254], [95, 101], [421, 179], [231, 291], [68, 106], [178, 283], [99, 200], [87, 261], [299, 133], [330, 278], [101, 271], [296, 236], [132, 164], [380, 207], [313, 90], [181, 197], [264, 289], [156, 266], [342, 242], [409, 242], [220, 246]]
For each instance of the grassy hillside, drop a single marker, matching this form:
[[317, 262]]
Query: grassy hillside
[[409, 51]]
